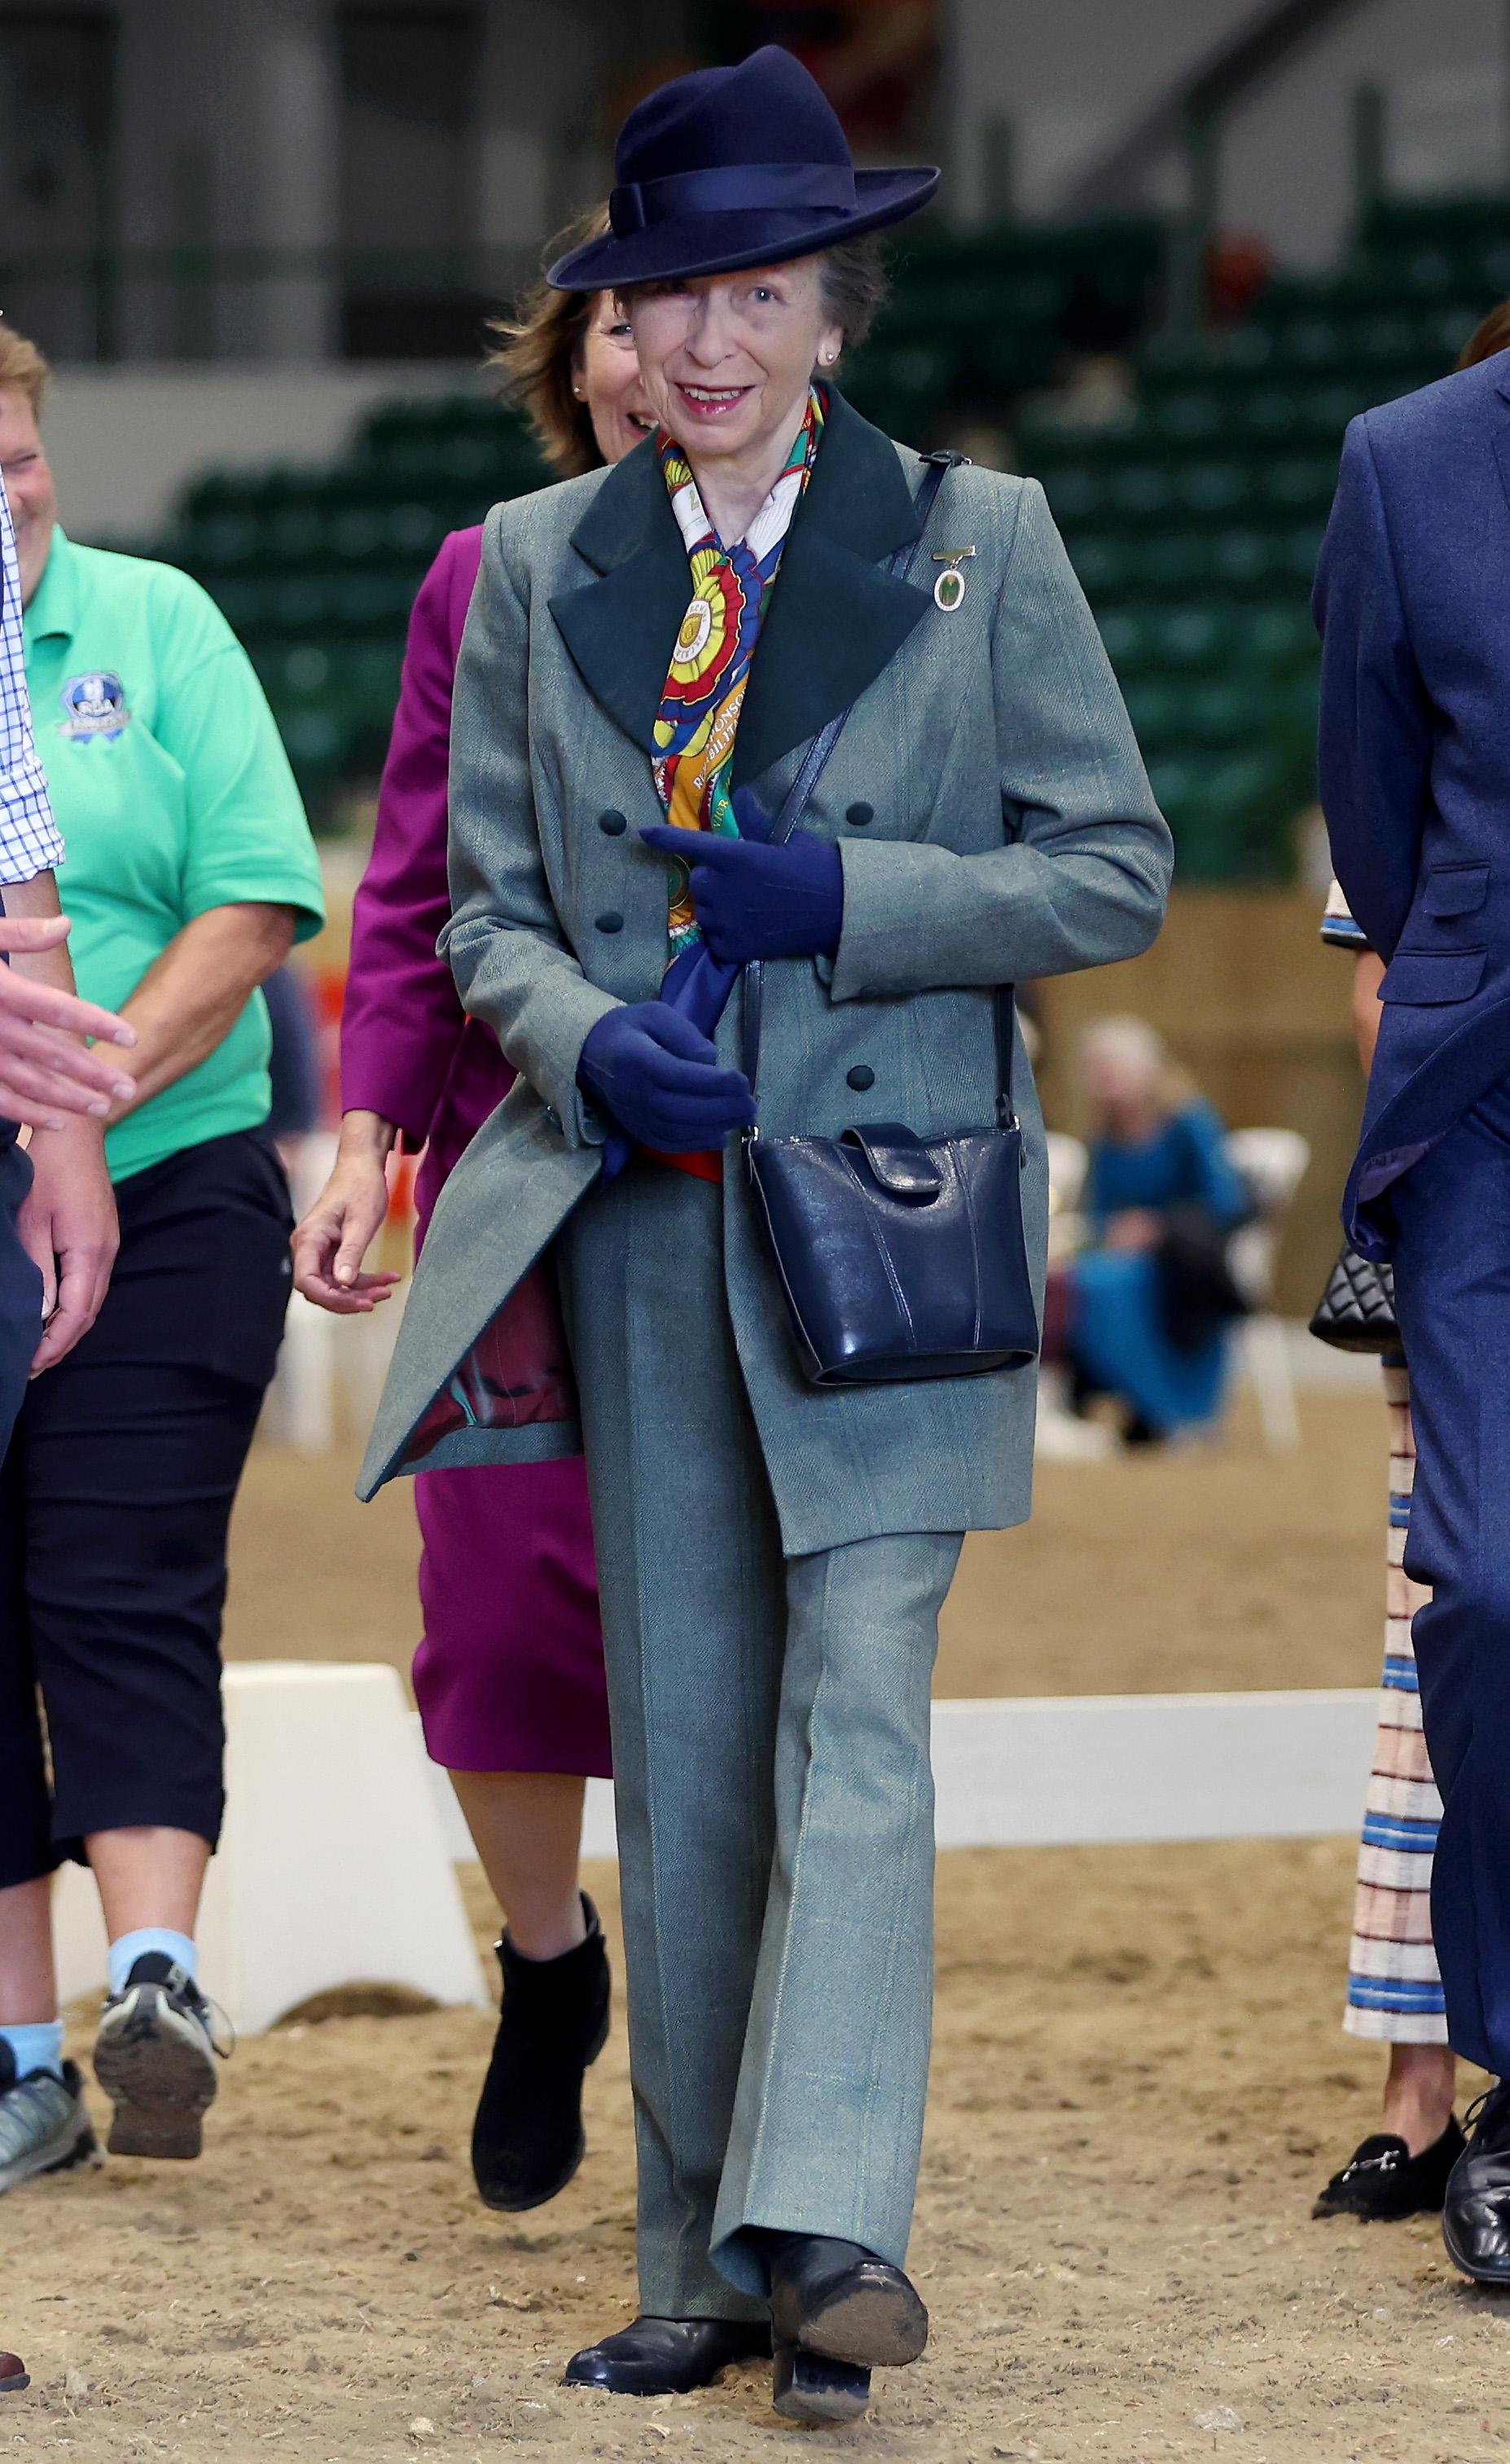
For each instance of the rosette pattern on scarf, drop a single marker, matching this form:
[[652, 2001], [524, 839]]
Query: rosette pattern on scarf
[[699, 713]]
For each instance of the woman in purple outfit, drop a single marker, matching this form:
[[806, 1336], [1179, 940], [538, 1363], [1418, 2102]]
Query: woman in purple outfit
[[509, 1675]]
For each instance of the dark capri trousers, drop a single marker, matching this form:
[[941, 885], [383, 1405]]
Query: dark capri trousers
[[114, 1499]]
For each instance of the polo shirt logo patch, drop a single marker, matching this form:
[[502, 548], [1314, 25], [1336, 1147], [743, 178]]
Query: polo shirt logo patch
[[93, 706]]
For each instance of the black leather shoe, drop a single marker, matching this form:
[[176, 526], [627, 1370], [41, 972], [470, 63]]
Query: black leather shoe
[[1382, 2181], [1475, 2213], [526, 2140], [808, 2386], [667, 2356], [837, 2298]]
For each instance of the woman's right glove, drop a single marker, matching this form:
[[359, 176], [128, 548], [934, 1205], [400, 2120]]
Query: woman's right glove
[[660, 1080]]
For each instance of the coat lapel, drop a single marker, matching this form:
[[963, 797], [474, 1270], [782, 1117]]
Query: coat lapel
[[836, 617], [620, 629], [835, 620]]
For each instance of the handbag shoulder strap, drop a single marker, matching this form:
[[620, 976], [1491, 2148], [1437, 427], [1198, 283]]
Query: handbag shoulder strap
[[800, 795]]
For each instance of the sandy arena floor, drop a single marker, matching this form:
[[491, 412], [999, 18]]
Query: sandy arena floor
[[1139, 2083], [1209, 1567]]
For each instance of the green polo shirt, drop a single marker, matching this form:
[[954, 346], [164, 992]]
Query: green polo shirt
[[174, 795]]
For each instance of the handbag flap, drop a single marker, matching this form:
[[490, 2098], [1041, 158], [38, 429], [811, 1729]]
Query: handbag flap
[[898, 1159]]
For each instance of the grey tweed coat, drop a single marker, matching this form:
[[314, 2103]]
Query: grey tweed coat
[[994, 824]]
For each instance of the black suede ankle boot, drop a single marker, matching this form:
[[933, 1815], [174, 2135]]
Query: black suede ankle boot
[[527, 2140]]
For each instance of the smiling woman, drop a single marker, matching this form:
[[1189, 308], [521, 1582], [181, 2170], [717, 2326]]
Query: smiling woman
[[569, 360], [509, 1673], [726, 360], [664, 645]]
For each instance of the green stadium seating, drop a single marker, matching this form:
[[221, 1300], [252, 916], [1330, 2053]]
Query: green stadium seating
[[1194, 526]]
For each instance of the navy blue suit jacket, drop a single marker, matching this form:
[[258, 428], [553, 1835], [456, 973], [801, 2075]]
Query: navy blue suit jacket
[[1413, 601]]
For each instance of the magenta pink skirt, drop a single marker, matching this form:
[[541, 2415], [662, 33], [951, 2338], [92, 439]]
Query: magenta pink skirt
[[510, 1674]]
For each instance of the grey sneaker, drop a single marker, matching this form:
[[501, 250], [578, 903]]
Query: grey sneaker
[[155, 2058], [44, 2126]]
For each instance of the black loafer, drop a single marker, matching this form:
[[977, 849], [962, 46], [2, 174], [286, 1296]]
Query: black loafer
[[1476, 2212], [1382, 2181], [667, 2356], [526, 2140], [808, 2386], [837, 2298]]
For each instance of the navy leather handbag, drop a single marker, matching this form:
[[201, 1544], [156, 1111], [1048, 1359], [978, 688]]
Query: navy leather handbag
[[901, 1257]]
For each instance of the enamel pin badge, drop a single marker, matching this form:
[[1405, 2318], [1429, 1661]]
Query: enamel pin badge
[[950, 589]]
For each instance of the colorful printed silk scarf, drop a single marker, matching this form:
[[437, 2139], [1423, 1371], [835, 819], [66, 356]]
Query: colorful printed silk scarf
[[694, 731]]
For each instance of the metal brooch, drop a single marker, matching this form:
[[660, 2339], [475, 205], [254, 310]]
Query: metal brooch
[[950, 589]]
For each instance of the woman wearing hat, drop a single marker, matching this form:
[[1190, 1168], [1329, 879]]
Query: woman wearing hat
[[657, 644]]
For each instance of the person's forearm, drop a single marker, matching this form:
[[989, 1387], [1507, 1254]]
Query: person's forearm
[[193, 992], [39, 897], [366, 1137], [1368, 977]]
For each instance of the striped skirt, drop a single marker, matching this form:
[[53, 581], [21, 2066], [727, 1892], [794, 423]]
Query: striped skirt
[[1394, 1989]]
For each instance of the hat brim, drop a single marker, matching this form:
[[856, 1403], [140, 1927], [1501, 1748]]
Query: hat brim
[[722, 243]]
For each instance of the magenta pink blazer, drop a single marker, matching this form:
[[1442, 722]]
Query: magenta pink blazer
[[407, 1048]]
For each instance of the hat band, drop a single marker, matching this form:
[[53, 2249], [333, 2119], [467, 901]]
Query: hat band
[[732, 189]]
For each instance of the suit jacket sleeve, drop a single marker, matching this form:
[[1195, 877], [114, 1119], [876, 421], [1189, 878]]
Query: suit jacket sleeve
[[1375, 740], [504, 941], [402, 1020], [1084, 873]]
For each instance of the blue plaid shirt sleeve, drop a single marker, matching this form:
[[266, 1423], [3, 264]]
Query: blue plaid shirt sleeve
[[28, 839]]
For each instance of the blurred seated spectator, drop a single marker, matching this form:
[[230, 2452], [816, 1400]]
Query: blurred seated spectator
[[1148, 1299]]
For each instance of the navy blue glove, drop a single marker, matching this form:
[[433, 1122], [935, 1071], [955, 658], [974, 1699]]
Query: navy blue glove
[[662, 1080], [760, 902]]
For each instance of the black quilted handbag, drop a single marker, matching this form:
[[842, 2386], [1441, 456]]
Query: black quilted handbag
[[1356, 1311]]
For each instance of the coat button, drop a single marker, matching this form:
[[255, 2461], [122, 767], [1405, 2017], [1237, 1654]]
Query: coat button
[[860, 816], [612, 825], [860, 1078], [610, 922]]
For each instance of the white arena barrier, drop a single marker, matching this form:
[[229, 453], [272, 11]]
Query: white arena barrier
[[334, 1868], [1101, 1768], [1037, 1773], [337, 1864]]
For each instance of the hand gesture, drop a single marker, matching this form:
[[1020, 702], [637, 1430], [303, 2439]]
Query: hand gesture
[[340, 1228], [45, 1071], [760, 902], [662, 1080]]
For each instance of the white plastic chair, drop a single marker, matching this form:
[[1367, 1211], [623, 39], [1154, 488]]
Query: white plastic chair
[[1069, 1162], [1273, 1163]]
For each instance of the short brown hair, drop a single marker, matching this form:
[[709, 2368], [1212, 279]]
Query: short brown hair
[[22, 366], [855, 285], [1485, 340], [541, 351]]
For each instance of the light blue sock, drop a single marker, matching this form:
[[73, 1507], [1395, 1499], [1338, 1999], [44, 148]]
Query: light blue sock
[[37, 2045], [124, 1954]]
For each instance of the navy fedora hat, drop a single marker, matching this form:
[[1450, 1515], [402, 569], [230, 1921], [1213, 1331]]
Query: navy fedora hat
[[735, 167]]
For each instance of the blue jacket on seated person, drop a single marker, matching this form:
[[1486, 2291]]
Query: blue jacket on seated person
[[1413, 601]]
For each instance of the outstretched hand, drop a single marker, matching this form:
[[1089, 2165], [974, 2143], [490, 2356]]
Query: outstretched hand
[[661, 1079], [760, 902], [46, 1073]]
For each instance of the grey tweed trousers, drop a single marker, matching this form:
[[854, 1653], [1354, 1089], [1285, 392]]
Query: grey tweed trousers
[[775, 1796]]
